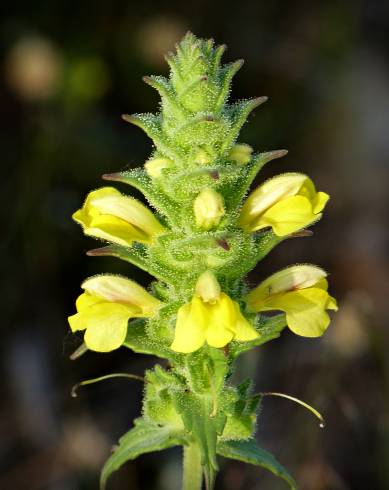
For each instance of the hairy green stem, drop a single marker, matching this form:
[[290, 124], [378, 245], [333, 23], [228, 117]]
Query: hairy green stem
[[193, 473]]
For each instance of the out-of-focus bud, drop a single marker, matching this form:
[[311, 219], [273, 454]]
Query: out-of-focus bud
[[208, 209], [202, 157], [240, 153], [154, 166]]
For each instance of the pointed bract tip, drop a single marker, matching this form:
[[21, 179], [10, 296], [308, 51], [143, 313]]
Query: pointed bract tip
[[115, 176], [78, 352], [301, 233], [147, 79], [259, 100], [97, 252], [127, 117], [272, 155]]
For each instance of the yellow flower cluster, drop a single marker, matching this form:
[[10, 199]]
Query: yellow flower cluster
[[286, 203]]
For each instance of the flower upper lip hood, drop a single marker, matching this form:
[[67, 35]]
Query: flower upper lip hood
[[212, 317], [105, 307], [287, 203], [109, 215], [301, 292]]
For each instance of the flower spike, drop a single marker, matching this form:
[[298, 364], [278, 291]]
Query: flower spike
[[198, 315]]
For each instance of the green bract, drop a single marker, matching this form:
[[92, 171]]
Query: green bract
[[199, 244]]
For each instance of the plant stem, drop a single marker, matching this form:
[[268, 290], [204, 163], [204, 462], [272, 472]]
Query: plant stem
[[193, 473]]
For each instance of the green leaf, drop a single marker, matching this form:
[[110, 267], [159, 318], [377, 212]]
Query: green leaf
[[250, 452], [145, 437]]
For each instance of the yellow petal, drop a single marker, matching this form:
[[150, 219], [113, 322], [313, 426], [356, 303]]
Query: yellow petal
[[305, 311], [322, 284], [268, 194], [190, 329], [244, 331], [126, 208], [207, 287], [106, 326], [76, 322], [86, 300], [222, 324], [115, 230], [319, 202], [287, 216], [288, 279], [109, 215], [83, 303], [121, 290], [332, 304]]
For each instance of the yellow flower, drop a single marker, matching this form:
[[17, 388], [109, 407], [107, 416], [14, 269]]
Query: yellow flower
[[240, 153], [212, 317], [109, 215], [287, 203], [105, 307], [301, 292], [208, 209]]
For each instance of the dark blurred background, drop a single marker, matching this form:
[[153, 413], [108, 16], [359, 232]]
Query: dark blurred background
[[69, 69]]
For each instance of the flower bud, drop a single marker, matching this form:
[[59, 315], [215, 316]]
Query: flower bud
[[207, 287], [202, 157], [154, 166], [240, 153], [208, 209]]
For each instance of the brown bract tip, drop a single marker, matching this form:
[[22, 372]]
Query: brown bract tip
[[115, 176], [97, 252], [301, 233]]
